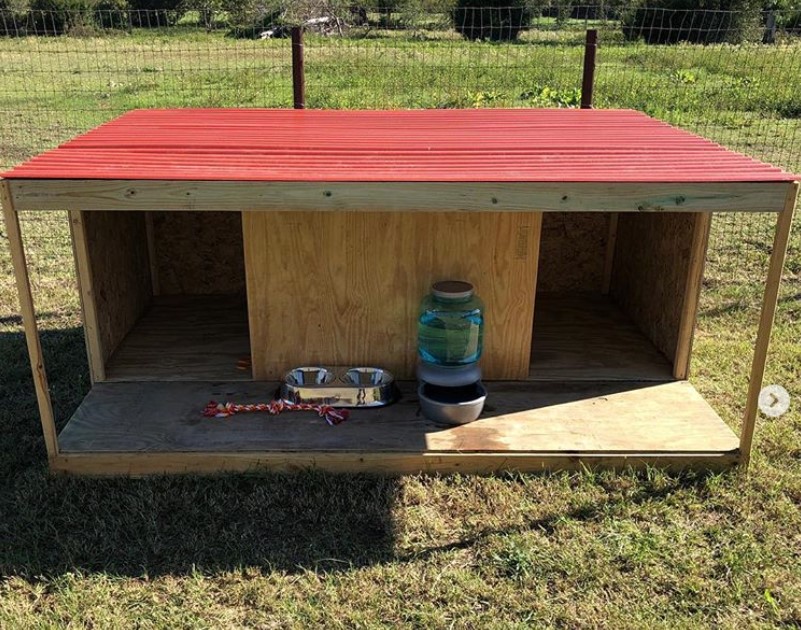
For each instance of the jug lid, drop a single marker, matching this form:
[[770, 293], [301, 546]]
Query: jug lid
[[452, 289]]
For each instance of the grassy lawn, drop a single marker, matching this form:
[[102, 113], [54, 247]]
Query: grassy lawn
[[569, 550]]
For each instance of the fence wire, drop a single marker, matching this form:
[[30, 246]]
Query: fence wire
[[728, 76]]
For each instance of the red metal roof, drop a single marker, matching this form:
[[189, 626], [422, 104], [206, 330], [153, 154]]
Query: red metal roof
[[479, 145]]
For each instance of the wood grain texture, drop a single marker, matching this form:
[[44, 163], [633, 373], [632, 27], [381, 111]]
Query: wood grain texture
[[609, 257], [586, 337], [649, 279], [576, 418], [28, 312], [572, 250], [692, 294], [185, 338], [199, 253], [393, 196], [152, 254], [86, 289], [142, 464], [116, 244], [781, 240], [344, 288]]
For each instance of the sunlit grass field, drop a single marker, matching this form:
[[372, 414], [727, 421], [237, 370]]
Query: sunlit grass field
[[568, 550]]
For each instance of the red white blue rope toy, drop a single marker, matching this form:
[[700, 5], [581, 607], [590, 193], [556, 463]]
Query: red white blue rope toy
[[332, 415]]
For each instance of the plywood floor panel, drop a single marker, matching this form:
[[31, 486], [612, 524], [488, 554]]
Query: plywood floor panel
[[586, 337], [519, 417], [183, 338]]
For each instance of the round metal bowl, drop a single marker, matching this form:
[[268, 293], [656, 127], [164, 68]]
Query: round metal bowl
[[452, 405], [362, 376], [309, 376]]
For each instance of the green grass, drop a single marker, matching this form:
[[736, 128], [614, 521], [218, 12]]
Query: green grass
[[580, 550]]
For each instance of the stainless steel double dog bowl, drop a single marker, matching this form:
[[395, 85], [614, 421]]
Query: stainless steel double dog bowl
[[339, 387]]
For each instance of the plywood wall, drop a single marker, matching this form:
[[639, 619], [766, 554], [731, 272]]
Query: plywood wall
[[116, 245], [572, 252], [199, 253], [651, 268], [344, 288]]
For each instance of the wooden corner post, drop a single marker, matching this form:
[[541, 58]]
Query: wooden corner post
[[29, 321], [769, 301]]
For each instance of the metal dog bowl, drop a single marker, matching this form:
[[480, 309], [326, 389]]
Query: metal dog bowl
[[309, 376], [452, 405], [339, 387]]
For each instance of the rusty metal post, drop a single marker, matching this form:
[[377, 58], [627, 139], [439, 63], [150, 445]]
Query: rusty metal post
[[588, 81], [298, 78]]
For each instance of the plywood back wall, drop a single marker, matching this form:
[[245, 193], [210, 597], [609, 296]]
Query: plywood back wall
[[572, 252], [649, 277], [118, 261], [199, 253], [344, 288]]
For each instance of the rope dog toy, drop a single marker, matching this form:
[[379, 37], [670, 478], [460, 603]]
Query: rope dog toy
[[332, 415]]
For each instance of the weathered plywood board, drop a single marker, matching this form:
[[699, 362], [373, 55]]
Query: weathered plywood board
[[574, 418], [116, 245], [199, 253], [586, 337], [186, 337], [572, 251], [344, 288], [649, 277], [394, 196]]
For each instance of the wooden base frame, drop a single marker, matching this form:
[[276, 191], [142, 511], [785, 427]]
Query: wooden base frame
[[137, 464]]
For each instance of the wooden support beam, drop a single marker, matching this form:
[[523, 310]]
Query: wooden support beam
[[609, 261], [692, 295], [83, 273], [151, 254], [654, 197], [769, 301], [29, 321]]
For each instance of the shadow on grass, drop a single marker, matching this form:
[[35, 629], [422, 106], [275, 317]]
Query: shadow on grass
[[50, 525], [746, 305]]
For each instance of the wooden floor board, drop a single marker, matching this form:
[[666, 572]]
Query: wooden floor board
[[586, 337], [184, 338], [577, 418]]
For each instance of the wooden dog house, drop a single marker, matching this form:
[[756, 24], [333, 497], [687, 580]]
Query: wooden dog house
[[215, 249]]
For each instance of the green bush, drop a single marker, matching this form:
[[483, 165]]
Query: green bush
[[13, 17], [155, 13], [705, 22], [493, 20], [112, 14], [249, 17], [55, 17]]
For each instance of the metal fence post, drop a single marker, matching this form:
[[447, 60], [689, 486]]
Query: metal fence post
[[298, 79], [588, 81]]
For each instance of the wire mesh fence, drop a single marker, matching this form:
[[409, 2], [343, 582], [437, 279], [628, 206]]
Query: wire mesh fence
[[729, 76]]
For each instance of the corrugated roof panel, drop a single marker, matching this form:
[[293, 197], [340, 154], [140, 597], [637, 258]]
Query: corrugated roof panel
[[479, 145]]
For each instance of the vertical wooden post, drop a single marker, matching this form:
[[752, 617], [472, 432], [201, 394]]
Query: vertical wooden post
[[298, 77], [29, 321], [769, 301], [588, 80], [83, 274], [150, 231], [692, 294], [609, 259]]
